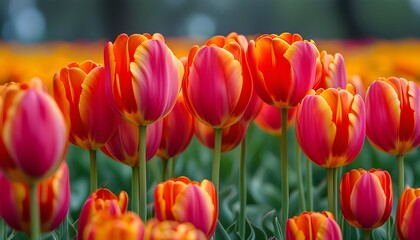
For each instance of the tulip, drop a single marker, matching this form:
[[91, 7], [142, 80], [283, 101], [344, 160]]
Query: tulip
[[231, 136], [332, 73], [330, 129], [366, 198], [408, 214], [183, 200], [171, 230], [102, 200], [103, 225], [53, 201], [143, 80], [32, 121], [269, 119], [393, 104], [313, 226]]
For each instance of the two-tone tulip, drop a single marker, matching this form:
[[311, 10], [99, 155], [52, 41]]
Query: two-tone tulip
[[393, 104], [408, 214], [31, 122], [53, 201], [332, 73], [313, 226], [269, 119], [183, 200], [102, 200], [331, 126], [143, 77], [366, 198], [283, 68], [123, 146], [171, 230], [126, 226]]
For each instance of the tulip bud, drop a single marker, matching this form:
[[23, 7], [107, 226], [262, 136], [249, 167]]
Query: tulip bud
[[408, 214], [313, 226], [171, 230]]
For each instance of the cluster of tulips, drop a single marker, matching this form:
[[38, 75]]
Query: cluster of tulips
[[144, 101]]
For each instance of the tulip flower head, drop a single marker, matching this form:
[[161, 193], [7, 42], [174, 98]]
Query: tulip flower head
[[313, 226], [183, 200], [143, 77], [269, 119], [330, 126], [393, 104], [171, 230], [283, 68], [53, 200], [408, 214], [366, 198], [332, 73]]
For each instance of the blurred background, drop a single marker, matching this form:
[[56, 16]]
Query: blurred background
[[30, 21]]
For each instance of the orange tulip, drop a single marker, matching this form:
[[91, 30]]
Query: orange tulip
[[143, 77], [103, 225], [102, 200], [177, 130], [215, 88], [79, 90], [313, 226], [330, 126], [393, 104], [269, 119], [283, 68], [183, 200], [53, 200], [332, 73], [408, 214], [171, 230], [366, 198], [231, 136]]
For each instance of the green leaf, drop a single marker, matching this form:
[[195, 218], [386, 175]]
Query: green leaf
[[277, 229], [221, 233]]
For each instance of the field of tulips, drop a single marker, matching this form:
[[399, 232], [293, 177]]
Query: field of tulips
[[233, 137]]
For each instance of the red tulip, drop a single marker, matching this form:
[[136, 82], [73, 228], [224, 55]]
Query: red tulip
[[393, 104], [143, 77], [366, 198], [313, 226], [177, 130], [269, 119], [332, 73], [330, 126], [183, 200], [124, 144], [408, 214], [283, 68], [79, 90], [53, 200], [171, 230]]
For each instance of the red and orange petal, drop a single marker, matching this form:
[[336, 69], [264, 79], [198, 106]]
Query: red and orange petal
[[171, 230], [407, 216], [312, 226], [269, 118]]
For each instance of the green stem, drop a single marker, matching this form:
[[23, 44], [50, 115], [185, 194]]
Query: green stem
[[309, 196], [135, 189], [142, 173], [366, 234], [388, 228], [3, 229], [336, 212], [216, 160], [35, 217], [242, 189], [330, 186], [165, 162], [299, 177], [400, 166], [93, 171], [172, 170], [284, 166]]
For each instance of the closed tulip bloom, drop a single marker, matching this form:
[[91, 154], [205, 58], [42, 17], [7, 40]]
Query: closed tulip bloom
[[231, 136], [366, 198], [283, 68], [183, 200], [79, 90], [408, 214], [313, 226], [332, 73], [143, 77], [393, 104], [214, 88], [177, 130], [269, 119], [101, 200], [123, 146], [35, 134], [53, 200], [171, 230], [330, 126], [103, 225]]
